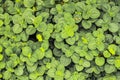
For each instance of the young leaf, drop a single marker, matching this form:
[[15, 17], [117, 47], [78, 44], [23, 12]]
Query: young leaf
[[106, 54], [99, 61], [65, 60], [1, 23], [109, 68], [30, 30], [112, 49], [27, 51], [113, 27], [17, 28], [1, 57], [28, 3], [86, 24]]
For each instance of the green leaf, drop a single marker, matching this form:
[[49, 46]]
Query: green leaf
[[19, 71], [2, 65], [39, 54], [79, 67], [100, 45], [94, 13], [89, 70], [32, 68], [99, 22], [89, 56], [67, 74], [28, 3], [30, 30], [117, 62], [70, 41], [24, 36], [110, 60], [7, 75], [1, 57], [99, 61], [17, 28], [68, 31], [17, 19], [65, 60], [51, 72], [86, 24], [41, 26], [86, 63], [92, 45], [106, 54], [70, 8], [113, 27], [112, 49], [37, 21], [75, 58], [33, 75], [1, 23], [46, 35], [1, 48], [109, 68], [27, 51], [41, 70]]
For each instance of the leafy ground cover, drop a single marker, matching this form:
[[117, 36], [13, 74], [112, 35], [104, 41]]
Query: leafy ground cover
[[59, 39]]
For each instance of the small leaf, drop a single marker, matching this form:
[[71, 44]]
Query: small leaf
[[27, 51], [17, 28], [7, 75], [28, 3], [117, 62], [79, 67], [30, 30], [1, 57], [1, 23], [113, 27], [99, 61], [86, 63], [86, 24], [106, 54], [39, 37], [37, 21], [65, 60], [112, 49], [109, 68]]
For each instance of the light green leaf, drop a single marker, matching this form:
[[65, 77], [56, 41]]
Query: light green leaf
[[1, 57], [99, 61], [37, 21], [94, 13], [106, 54], [65, 60], [19, 71], [2, 65], [17, 28], [86, 24], [27, 51], [86, 63], [79, 67], [1, 23], [112, 49], [31, 68], [51, 72], [39, 54], [30, 30], [70, 41], [113, 27], [28, 3], [117, 62], [109, 68], [7, 75]]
